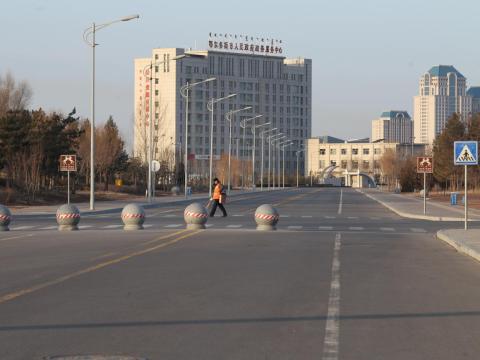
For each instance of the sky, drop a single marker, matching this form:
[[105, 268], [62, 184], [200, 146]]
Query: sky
[[367, 55]]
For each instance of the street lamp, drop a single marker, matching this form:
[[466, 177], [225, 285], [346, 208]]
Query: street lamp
[[272, 142], [210, 106], [261, 167], [283, 162], [243, 125], [185, 92], [228, 117], [89, 38], [298, 153], [254, 127]]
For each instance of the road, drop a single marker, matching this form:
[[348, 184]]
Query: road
[[342, 278]]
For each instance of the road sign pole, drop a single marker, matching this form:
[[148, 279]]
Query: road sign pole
[[68, 187], [424, 193], [466, 201]]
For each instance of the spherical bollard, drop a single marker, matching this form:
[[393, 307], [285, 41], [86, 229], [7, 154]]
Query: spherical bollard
[[5, 218], [133, 217], [266, 217], [195, 216], [175, 190], [68, 217]]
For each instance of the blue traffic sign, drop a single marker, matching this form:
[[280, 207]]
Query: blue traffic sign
[[465, 153]]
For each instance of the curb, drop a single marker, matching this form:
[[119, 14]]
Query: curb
[[457, 245], [414, 216]]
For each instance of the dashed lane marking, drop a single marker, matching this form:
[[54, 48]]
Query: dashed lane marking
[[374, 218], [112, 226], [234, 226], [355, 228], [325, 228], [307, 216], [284, 216], [238, 215], [16, 237], [147, 226], [49, 228], [387, 229], [84, 227], [352, 217], [294, 227], [21, 228], [173, 225], [329, 217], [418, 230]]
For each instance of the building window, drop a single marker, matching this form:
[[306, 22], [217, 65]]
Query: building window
[[354, 151], [366, 165], [344, 164], [333, 163], [343, 151], [377, 151], [366, 151], [333, 151], [322, 152], [321, 164]]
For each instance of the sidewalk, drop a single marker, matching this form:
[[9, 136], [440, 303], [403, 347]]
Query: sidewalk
[[412, 208], [117, 205], [465, 242]]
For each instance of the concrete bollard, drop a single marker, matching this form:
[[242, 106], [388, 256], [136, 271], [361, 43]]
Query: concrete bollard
[[133, 217], [5, 218], [175, 190], [266, 217], [68, 217], [195, 216]]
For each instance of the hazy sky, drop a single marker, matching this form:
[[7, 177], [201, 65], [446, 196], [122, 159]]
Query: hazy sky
[[367, 55]]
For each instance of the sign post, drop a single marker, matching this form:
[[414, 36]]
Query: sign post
[[155, 168], [68, 163], [465, 153], [425, 166]]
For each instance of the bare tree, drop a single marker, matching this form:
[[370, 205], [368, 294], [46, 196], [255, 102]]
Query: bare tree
[[13, 96]]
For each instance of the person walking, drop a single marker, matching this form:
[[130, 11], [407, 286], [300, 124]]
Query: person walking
[[218, 198]]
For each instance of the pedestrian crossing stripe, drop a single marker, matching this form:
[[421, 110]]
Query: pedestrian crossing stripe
[[466, 153]]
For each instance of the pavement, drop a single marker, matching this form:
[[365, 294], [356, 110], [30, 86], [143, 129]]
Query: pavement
[[341, 278]]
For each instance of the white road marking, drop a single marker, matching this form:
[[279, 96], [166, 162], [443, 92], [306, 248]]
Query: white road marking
[[238, 215], [325, 228], [352, 217], [355, 228], [374, 218], [173, 225], [208, 225], [294, 227], [21, 228], [147, 226], [387, 229], [112, 226], [307, 216], [340, 204], [234, 226], [329, 217], [284, 216], [49, 228], [332, 328], [418, 230], [169, 215], [15, 237], [84, 226]]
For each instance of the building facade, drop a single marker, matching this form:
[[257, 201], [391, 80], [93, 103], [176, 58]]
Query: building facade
[[442, 92], [275, 87], [474, 92], [339, 159], [393, 127]]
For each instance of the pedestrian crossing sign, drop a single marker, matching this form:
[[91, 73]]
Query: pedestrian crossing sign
[[465, 152]]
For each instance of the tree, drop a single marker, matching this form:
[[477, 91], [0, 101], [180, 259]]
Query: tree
[[13, 96]]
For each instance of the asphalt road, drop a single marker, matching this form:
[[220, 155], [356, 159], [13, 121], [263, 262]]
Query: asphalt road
[[342, 278]]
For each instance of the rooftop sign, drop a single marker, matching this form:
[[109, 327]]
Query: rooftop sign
[[245, 44]]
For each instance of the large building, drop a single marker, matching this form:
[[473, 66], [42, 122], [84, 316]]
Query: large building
[[278, 88], [474, 92], [393, 127], [353, 163], [442, 92]]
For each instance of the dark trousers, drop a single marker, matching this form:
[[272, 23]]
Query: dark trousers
[[214, 208]]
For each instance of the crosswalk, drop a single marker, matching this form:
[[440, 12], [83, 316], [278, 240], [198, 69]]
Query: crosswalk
[[225, 226], [286, 216]]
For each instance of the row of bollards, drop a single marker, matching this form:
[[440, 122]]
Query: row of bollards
[[133, 216]]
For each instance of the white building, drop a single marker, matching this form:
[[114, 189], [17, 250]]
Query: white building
[[442, 92], [278, 88], [393, 126]]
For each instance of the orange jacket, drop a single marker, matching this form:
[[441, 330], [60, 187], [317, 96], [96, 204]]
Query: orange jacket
[[217, 192]]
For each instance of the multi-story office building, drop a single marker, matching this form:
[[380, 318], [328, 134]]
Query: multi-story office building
[[442, 92], [393, 127], [278, 88], [474, 92], [356, 162]]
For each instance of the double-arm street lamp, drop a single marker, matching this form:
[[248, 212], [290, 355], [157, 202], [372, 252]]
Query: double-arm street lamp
[[185, 92], [211, 106], [283, 161], [229, 117], [271, 142], [243, 125], [298, 154], [254, 127], [262, 137], [89, 38]]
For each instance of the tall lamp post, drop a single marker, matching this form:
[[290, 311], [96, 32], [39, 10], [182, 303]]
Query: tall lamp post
[[243, 125], [185, 92], [298, 154], [283, 162], [274, 157], [228, 117], [262, 136], [211, 106], [89, 38], [254, 127]]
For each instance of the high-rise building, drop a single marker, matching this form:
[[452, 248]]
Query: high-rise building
[[474, 92], [278, 88], [442, 92], [393, 127]]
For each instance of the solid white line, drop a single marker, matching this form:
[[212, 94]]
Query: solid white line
[[355, 228], [173, 225], [340, 204], [21, 228], [387, 229], [418, 230], [325, 228], [234, 226], [332, 327]]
